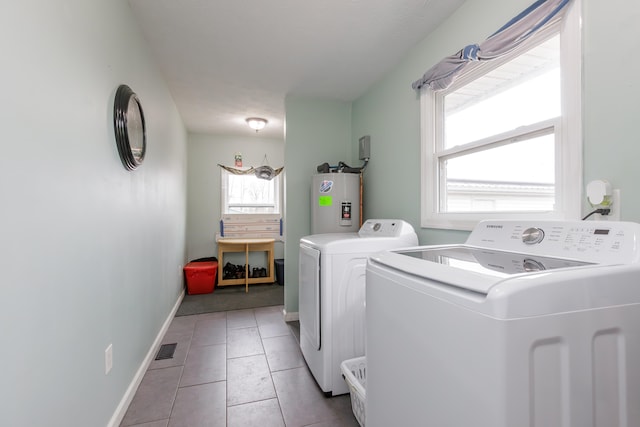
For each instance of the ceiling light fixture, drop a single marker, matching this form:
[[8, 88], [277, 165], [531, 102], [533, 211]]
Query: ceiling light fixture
[[256, 123]]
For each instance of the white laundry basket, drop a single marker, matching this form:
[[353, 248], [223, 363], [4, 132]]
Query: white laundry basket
[[354, 372]]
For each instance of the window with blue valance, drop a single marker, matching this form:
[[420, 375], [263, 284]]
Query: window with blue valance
[[501, 123]]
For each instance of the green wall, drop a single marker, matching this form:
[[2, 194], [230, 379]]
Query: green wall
[[390, 113], [317, 131], [90, 253], [611, 93]]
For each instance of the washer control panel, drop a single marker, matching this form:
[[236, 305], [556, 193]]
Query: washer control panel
[[592, 241], [532, 235], [385, 228]]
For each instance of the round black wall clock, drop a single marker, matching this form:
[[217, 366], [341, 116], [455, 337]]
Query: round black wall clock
[[129, 125]]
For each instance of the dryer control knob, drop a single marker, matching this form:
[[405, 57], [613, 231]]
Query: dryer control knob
[[532, 235]]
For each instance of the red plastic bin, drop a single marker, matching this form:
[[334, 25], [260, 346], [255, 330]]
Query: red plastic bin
[[201, 277]]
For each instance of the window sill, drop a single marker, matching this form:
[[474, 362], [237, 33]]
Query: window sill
[[468, 221]]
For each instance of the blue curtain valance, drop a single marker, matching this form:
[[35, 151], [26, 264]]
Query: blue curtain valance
[[503, 41]]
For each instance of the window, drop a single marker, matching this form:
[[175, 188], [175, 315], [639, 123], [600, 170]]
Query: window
[[247, 194], [504, 140]]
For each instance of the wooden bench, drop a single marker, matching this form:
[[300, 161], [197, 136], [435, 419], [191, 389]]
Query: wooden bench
[[246, 246]]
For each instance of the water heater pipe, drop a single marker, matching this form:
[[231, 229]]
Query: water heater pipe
[[361, 192]]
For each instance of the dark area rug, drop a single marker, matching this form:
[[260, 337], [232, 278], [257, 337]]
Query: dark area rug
[[232, 298]]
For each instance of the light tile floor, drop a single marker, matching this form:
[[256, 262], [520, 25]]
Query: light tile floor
[[234, 368]]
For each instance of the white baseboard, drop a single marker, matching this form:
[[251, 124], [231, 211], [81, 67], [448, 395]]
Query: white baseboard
[[291, 316], [121, 410]]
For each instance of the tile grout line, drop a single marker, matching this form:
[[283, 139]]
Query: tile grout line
[[175, 397], [275, 389]]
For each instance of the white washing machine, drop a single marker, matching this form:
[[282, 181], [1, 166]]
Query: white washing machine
[[332, 294], [527, 324]]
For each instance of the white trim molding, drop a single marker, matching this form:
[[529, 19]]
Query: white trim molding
[[121, 410]]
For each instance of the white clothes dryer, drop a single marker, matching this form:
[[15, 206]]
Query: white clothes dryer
[[529, 323], [332, 294]]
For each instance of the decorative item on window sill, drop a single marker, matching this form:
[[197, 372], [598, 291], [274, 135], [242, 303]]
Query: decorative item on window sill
[[262, 172]]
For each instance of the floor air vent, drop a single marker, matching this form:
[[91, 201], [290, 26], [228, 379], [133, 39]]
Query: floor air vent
[[166, 351]]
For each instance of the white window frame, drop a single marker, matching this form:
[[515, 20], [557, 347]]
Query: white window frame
[[224, 179], [568, 150]]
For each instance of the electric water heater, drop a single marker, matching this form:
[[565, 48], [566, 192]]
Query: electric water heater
[[335, 203]]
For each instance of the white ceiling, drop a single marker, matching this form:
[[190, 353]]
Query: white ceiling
[[226, 60]]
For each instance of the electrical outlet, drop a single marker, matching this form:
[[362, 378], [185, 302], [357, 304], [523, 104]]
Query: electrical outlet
[[614, 215], [108, 359]]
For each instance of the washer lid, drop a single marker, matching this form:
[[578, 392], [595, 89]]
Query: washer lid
[[467, 267]]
